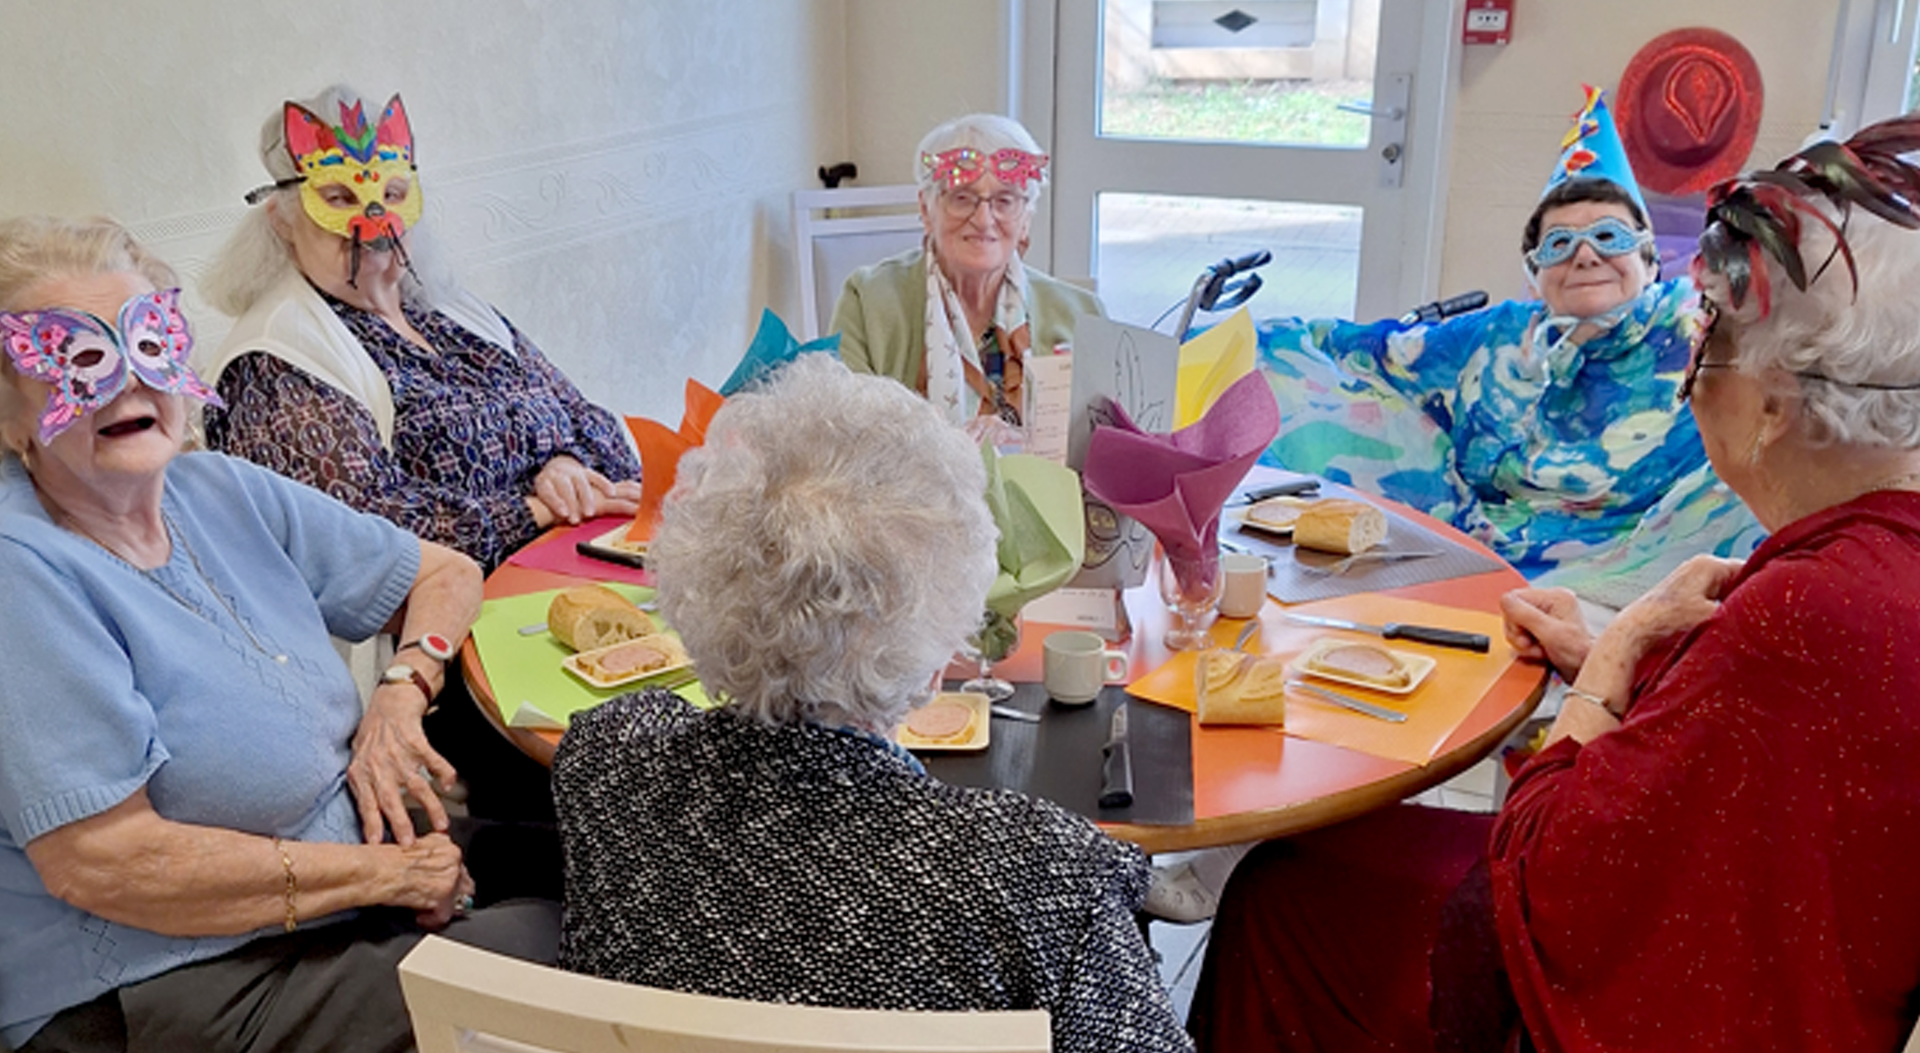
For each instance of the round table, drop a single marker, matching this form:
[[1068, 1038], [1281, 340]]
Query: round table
[[1246, 786]]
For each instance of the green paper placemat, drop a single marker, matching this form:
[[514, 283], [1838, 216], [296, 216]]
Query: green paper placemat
[[528, 682]]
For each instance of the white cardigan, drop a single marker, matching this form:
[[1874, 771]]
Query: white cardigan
[[292, 323]]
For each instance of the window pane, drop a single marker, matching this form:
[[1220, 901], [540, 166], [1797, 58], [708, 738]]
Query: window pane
[[1152, 247], [1258, 71]]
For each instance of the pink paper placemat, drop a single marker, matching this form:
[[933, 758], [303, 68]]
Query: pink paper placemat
[[559, 555]]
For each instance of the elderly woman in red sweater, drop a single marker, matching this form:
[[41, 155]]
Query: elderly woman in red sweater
[[1715, 850]]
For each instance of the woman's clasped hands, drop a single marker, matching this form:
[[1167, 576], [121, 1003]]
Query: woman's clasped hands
[[433, 882], [566, 490]]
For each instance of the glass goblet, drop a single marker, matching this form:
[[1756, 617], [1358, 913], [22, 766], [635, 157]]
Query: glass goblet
[[1191, 590], [996, 638]]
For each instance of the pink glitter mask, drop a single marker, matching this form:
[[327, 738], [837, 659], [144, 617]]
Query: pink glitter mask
[[87, 361], [961, 165]]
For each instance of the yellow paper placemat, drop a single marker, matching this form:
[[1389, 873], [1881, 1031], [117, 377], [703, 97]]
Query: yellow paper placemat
[[526, 669], [1434, 709]]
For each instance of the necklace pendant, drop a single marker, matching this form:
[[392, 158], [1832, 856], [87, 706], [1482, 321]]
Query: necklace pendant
[[282, 659]]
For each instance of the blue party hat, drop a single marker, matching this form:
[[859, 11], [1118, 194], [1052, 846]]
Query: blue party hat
[[1592, 150]]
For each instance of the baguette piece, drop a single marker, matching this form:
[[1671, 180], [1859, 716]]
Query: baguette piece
[[1275, 514], [1237, 688], [588, 617], [1338, 525], [1367, 662]]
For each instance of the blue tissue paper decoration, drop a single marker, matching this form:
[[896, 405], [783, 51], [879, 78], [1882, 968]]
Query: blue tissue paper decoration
[[774, 346]]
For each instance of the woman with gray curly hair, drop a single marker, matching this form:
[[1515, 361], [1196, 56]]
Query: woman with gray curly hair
[[823, 556], [1713, 850], [980, 178]]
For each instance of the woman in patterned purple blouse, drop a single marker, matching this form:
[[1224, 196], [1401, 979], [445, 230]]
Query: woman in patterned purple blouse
[[347, 372]]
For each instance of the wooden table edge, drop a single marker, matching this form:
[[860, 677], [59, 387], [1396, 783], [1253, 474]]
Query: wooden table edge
[[1270, 823]]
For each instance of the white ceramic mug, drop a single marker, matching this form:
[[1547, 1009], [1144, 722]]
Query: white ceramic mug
[[1245, 590], [1077, 665]]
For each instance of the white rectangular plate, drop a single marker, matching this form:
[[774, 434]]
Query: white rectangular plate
[[573, 664], [1419, 665]]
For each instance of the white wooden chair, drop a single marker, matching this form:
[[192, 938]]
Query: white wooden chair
[[835, 232], [466, 1000]]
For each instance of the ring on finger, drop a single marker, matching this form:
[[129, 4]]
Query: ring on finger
[[462, 905]]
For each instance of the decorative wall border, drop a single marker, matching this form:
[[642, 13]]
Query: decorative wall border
[[495, 210]]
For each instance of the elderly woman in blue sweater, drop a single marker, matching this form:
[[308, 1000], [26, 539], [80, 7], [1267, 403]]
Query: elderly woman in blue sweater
[[195, 813]]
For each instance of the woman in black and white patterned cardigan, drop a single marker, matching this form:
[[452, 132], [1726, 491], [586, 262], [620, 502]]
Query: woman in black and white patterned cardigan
[[824, 555]]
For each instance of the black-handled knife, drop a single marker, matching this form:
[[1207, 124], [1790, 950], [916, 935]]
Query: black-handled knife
[[1431, 634], [1116, 772], [611, 555], [1292, 489]]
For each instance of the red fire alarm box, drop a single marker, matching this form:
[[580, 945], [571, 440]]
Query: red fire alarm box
[[1488, 22]]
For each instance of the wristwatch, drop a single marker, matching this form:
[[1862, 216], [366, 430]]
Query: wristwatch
[[402, 673], [433, 645]]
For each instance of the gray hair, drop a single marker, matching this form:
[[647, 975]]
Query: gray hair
[[34, 249], [985, 132], [256, 257], [827, 550], [1868, 337]]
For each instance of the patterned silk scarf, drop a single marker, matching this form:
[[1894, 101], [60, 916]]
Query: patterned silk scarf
[[957, 377]]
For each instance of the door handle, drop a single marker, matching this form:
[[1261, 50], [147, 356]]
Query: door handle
[[1365, 108]]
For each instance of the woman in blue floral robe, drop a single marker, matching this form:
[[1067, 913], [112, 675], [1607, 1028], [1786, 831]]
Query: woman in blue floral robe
[[1569, 457]]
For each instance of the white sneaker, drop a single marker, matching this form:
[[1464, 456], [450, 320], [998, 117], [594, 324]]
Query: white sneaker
[[1178, 895]]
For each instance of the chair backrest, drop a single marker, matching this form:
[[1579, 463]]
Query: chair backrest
[[465, 999], [835, 232]]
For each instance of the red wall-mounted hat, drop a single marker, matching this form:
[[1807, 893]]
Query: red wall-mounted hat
[[1688, 109]]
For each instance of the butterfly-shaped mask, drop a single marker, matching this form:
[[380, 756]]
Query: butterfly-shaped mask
[[87, 361], [956, 168]]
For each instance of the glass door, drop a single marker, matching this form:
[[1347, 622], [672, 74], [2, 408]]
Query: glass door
[[1187, 131]]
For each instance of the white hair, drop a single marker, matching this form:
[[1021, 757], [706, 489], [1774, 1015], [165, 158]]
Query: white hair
[[34, 249], [827, 550], [256, 257], [1871, 336], [985, 132]]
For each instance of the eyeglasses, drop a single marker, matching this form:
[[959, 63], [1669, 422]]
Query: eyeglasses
[[1610, 236], [1697, 363], [1697, 359], [962, 204]]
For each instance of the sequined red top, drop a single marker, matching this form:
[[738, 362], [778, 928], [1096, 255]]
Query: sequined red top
[[1734, 867]]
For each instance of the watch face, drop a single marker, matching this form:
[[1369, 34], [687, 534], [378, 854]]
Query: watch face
[[397, 674]]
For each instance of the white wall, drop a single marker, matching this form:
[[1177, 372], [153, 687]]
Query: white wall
[[911, 64], [1516, 102], [613, 175]]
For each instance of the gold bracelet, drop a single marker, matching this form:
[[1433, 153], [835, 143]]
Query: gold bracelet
[[1588, 696], [293, 886]]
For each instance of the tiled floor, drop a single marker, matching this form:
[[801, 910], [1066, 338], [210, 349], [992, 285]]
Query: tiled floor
[[1181, 947]]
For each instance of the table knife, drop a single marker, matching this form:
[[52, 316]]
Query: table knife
[[1392, 716], [1116, 772], [1292, 489], [1401, 631], [610, 555]]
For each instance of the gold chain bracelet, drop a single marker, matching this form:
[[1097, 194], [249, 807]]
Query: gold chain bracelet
[[293, 886]]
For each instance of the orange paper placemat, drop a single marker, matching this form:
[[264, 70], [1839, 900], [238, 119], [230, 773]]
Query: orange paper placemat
[[1434, 709]]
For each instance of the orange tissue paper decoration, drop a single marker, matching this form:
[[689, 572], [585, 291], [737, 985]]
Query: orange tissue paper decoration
[[660, 452]]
